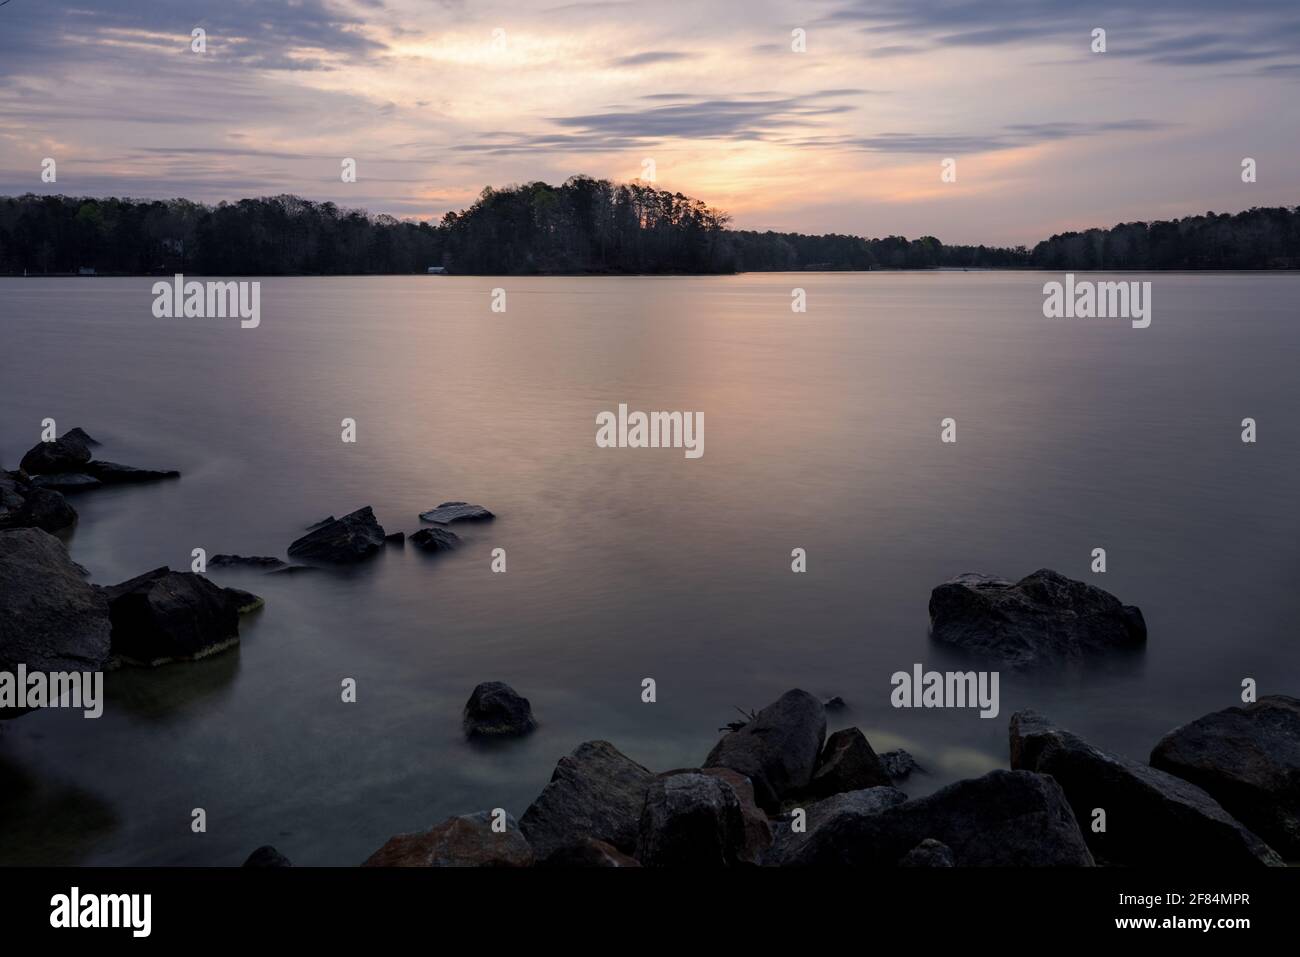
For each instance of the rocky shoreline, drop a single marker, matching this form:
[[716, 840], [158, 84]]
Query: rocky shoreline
[[776, 790]]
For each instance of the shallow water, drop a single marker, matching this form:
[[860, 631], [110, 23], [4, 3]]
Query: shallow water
[[821, 432]]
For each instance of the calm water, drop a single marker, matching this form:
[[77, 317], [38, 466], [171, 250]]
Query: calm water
[[821, 431]]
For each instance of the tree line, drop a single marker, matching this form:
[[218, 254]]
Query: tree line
[[583, 226]]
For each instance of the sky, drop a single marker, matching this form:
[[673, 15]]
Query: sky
[[435, 100]]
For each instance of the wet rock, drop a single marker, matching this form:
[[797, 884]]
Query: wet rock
[[42, 508], [244, 601], [264, 562], [835, 704], [321, 524], [847, 763], [51, 618], [111, 473], [465, 841], [449, 512], [587, 852], [267, 856], [929, 853], [778, 750], [66, 481], [900, 765], [352, 538], [163, 616], [68, 453], [435, 540], [1248, 759], [1004, 819], [495, 710], [786, 840], [758, 830], [690, 819], [1045, 618], [597, 792], [397, 539], [1152, 818], [78, 434]]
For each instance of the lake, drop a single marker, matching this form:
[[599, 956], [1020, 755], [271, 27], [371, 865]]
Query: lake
[[822, 432]]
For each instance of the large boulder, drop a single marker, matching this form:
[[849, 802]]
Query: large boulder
[[352, 538], [597, 792], [588, 852], [1152, 818], [449, 512], [786, 841], [435, 540], [496, 710], [778, 749], [51, 619], [164, 616], [68, 453], [1004, 819], [24, 504], [1045, 618], [847, 763], [1248, 759], [691, 819], [465, 841]]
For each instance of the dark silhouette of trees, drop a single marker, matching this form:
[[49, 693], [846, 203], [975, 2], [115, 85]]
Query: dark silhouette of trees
[[583, 226]]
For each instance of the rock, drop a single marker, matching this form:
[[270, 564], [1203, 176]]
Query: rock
[[494, 710], [244, 601], [1152, 818], [164, 616], [786, 840], [68, 453], [321, 524], [293, 569], [778, 750], [66, 481], [395, 538], [51, 618], [587, 852], [835, 704], [596, 792], [435, 540], [900, 765], [456, 512], [758, 830], [1248, 759], [78, 434], [1045, 618], [847, 763], [1004, 819], [466, 841], [44, 509], [267, 856], [690, 819], [265, 562], [351, 538], [111, 473], [929, 853]]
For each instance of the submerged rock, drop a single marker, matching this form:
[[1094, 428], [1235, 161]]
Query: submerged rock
[[164, 616], [597, 792], [66, 481], [267, 856], [1045, 618], [495, 710], [51, 618], [265, 562], [778, 749], [435, 540], [465, 841], [111, 473], [847, 763], [1151, 818], [1248, 759], [397, 539], [900, 765], [352, 538], [244, 601], [449, 512], [1004, 819]]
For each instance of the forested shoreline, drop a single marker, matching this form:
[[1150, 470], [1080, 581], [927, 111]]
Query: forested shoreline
[[584, 226]]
